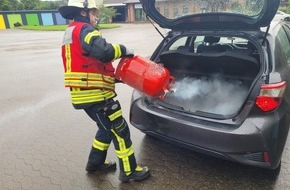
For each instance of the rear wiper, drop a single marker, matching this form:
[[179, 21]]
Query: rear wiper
[[210, 115], [170, 106], [155, 27]]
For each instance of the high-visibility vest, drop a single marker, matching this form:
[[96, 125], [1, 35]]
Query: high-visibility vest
[[90, 80], [81, 69]]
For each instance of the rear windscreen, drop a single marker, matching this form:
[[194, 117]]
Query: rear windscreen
[[174, 9]]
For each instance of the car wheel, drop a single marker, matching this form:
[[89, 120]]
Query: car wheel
[[274, 173]]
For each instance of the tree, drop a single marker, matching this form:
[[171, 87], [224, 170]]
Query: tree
[[30, 4], [64, 2], [236, 7], [5, 5], [106, 13], [10, 5], [49, 5], [254, 6]]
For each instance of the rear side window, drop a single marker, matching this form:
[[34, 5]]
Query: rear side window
[[178, 43], [284, 41], [195, 44], [185, 43], [287, 30]]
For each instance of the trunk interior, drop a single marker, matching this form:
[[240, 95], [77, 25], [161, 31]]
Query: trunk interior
[[209, 83]]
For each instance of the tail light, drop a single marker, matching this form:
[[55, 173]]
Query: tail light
[[270, 96], [266, 156], [258, 156]]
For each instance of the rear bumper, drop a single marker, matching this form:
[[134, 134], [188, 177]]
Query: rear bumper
[[245, 144], [235, 157]]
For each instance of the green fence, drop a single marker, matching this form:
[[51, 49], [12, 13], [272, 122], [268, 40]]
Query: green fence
[[11, 19]]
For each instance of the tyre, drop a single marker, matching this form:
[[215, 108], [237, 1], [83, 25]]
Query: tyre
[[274, 173]]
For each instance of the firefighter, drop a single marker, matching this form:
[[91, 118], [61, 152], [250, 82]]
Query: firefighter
[[89, 73]]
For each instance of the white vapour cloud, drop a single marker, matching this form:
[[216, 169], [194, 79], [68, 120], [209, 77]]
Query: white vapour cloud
[[213, 95]]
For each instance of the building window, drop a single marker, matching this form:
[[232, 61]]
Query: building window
[[185, 10], [166, 11]]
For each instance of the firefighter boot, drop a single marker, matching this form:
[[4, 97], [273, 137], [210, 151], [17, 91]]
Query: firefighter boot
[[107, 166], [140, 174]]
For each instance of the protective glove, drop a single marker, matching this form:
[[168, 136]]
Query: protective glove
[[118, 81], [129, 53]]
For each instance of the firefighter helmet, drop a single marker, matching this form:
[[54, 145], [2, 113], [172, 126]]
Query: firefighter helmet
[[74, 7]]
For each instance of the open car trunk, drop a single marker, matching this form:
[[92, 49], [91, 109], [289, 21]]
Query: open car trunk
[[209, 83]]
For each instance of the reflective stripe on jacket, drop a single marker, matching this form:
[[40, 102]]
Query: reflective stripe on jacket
[[81, 69], [80, 96]]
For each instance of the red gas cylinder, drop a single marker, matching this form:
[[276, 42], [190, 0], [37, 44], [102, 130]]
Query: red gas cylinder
[[144, 75]]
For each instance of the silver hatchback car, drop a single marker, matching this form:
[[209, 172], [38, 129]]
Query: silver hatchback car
[[231, 66]]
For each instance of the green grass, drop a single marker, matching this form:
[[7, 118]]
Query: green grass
[[62, 27]]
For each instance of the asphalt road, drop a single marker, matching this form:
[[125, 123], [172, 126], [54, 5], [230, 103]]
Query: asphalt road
[[44, 142]]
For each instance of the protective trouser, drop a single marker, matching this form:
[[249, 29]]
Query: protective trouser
[[112, 126]]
